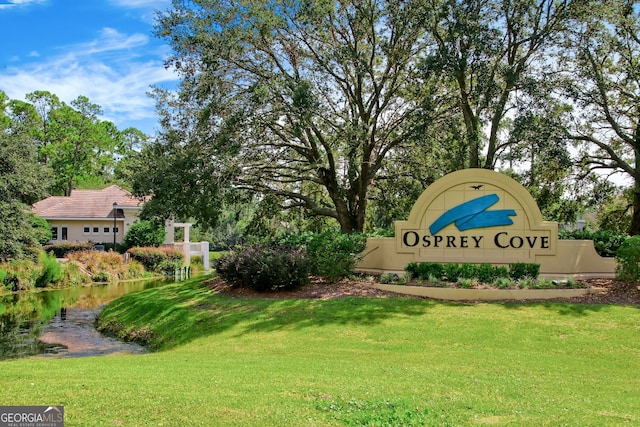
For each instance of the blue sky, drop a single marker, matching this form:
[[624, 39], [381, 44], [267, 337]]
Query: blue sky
[[101, 49]]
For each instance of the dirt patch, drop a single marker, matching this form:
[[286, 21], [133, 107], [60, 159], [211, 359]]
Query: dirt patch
[[608, 291]]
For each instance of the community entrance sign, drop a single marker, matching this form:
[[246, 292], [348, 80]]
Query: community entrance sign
[[476, 215], [481, 216]]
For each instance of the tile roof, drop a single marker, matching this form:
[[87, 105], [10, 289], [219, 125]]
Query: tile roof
[[86, 203]]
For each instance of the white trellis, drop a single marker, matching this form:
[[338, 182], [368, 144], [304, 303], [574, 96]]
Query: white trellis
[[190, 248]]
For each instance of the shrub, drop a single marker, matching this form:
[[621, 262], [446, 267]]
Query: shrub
[[145, 233], [468, 271], [332, 254], [60, 250], [73, 276], [628, 259], [265, 268], [521, 270], [412, 270], [452, 271], [501, 272], [157, 259], [51, 270], [21, 274], [606, 242], [486, 273], [106, 266]]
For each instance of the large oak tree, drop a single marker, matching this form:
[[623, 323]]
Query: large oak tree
[[309, 97], [603, 73]]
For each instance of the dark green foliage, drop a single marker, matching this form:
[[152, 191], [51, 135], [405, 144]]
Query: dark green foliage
[[468, 271], [501, 272], [332, 254], [425, 270], [628, 260], [41, 229], [485, 273], [145, 233], [157, 259], [606, 242], [521, 270], [412, 269], [265, 268], [60, 250], [452, 271], [22, 182]]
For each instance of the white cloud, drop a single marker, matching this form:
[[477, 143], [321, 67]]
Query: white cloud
[[17, 3], [136, 4], [111, 40], [115, 72]]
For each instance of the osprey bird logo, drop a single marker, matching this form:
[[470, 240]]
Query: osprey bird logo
[[474, 214]]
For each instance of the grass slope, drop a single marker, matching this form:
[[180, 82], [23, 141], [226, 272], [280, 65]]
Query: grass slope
[[350, 361]]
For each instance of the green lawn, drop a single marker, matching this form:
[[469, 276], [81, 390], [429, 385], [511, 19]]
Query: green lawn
[[352, 361]]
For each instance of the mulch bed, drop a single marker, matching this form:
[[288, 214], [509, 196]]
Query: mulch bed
[[608, 291]]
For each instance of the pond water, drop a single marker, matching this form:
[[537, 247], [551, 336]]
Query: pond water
[[60, 322]]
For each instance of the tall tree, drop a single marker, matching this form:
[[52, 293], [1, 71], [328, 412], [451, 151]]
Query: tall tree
[[23, 181], [493, 52], [604, 86], [71, 139], [314, 95]]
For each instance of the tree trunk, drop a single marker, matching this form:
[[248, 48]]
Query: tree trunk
[[635, 216]]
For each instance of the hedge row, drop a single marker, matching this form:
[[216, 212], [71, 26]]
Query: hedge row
[[486, 273], [162, 259]]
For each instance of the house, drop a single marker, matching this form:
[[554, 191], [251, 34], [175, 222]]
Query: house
[[90, 215]]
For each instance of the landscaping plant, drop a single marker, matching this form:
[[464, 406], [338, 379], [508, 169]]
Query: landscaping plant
[[628, 260], [332, 254], [157, 259], [265, 268]]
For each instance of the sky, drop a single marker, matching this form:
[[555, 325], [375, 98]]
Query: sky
[[102, 49]]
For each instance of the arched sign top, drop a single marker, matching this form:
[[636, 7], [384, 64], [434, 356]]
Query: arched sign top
[[476, 215]]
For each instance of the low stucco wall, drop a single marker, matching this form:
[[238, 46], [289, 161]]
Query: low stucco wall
[[575, 259], [450, 294]]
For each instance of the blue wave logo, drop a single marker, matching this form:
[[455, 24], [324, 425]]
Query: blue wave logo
[[474, 214]]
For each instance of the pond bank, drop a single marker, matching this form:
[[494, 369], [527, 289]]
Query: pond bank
[[60, 322]]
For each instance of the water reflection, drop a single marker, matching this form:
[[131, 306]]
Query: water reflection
[[60, 322]]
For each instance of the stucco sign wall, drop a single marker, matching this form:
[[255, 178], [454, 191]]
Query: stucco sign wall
[[476, 215], [481, 216]]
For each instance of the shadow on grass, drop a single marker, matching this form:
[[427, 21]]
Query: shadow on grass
[[562, 308], [172, 315]]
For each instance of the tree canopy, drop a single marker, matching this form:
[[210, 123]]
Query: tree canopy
[[603, 84], [330, 106], [312, 97], [23, 181]]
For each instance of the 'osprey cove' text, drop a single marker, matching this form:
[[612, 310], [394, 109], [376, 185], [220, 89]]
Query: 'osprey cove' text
[[501, 240]]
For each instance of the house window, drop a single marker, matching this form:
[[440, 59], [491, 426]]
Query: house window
[[96, 230], [106, 230], [54, 233], [86, 230], [115, 230], [65, 234]]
